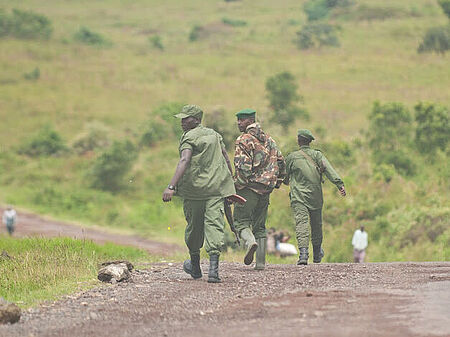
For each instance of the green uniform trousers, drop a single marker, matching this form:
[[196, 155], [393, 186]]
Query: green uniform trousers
[[205, 223], [304, 219], [253, 213]]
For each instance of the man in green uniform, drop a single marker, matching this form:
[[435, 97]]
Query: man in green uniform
[[259, 168], [203, 178], [305, 168]]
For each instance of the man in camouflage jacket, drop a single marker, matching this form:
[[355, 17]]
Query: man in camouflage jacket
[[259, 168]]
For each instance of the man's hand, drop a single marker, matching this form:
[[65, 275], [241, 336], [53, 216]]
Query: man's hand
[[167, 195], [342, 190]]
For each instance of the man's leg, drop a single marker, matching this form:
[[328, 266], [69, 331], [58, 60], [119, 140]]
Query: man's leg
[[301, 215], [194, 211], [214, 235], [243, 221], [259, 229], [316, 234]]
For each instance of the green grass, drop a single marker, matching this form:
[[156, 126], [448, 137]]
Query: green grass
[[120, 85], [44, 269]]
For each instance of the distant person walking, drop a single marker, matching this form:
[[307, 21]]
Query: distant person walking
[[359, 242], [203, 178], [259, 168], [305, 168], [10, 219]]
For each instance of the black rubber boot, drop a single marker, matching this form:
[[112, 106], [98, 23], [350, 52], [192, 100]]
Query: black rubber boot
[[192, 267], [303, 258], [213, 274], [318, 254]]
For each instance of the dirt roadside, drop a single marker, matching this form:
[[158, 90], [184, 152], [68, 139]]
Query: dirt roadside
[[34, 225], [375, 299]]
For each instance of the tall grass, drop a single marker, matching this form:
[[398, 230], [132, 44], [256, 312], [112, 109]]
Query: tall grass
[[43, 269]]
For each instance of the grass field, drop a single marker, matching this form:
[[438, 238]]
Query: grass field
[[120, 84]]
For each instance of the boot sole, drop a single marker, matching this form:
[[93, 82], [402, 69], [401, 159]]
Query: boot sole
[[248, 259], [302, 263], [213, 280]]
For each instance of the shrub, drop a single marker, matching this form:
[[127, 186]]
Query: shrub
[[110, 168], [445, 5], [234, 23], [217, 120], [282, 94], [437, 39], [86, 36], [166, 112], [433, 127], [320, 9], [400, 160], [389, 127], [156, 42], [25, 25], [93, 137], [384, 172], [154, 132], [45, 142], [33, 75], [195, 33], [317, 35], [339, 152]]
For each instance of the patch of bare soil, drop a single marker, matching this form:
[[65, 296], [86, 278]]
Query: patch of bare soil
[[376, 299], [34, 225]]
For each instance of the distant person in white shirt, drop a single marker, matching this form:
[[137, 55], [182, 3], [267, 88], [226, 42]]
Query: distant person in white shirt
[[9, 219], [359, 243]]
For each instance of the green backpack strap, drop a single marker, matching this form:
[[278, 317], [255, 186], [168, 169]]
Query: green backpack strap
[[318, 168]]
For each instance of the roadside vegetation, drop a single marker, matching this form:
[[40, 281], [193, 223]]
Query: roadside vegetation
[[38, 269], [90, 136]]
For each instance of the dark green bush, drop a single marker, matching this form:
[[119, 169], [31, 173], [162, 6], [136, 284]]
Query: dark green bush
[[25, 25], [402, 161], [166, 112], [45, 142], [33, 75], [433, 127], [282, 94], [196, 33], [384, 172], [217, 120], [154, 132], [390, 127], [437, 39], [339, 152], [445, 5], [109, 170], [156, 42], [320, 9], [86, 36], [95, 136], [234, 22], [317, 35]]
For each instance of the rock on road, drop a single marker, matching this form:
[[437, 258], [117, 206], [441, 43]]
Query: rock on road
[[374, 299]]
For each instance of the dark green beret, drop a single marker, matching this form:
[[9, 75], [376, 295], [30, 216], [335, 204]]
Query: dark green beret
[[305, 134], [190, 110], [246, 113]]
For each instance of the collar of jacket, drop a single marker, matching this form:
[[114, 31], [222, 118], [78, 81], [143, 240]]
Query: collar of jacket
[[253, 125]]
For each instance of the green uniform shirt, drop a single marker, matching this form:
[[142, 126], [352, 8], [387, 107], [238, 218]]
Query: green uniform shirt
[[304, 178], [207, 175]]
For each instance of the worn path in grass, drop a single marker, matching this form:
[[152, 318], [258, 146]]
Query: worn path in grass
[[376, 299], [34, 225]]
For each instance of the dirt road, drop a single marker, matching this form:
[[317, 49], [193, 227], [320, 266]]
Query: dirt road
[[375, 299], [387, 299], [34, 225]]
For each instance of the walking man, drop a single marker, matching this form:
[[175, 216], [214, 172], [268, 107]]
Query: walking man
[[259, 168], [203, 178], [10, 219], [305, 168], [359, 243]]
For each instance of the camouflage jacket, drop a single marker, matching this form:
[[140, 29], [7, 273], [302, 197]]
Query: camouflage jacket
[[259, 164]]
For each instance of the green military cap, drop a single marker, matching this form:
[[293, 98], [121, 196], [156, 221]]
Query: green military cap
[[190, 110], [246, 113], [305, 134]]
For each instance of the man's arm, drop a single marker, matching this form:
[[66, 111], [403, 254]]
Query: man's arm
[[332, 175], [185, 159], [225, 155], [243, 162], [281, 169]]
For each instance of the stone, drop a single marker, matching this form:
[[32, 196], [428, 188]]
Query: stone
[[128, 263], [5, 255], [117, 272], [9, 312]]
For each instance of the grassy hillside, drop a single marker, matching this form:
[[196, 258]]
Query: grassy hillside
[[121, 83]]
